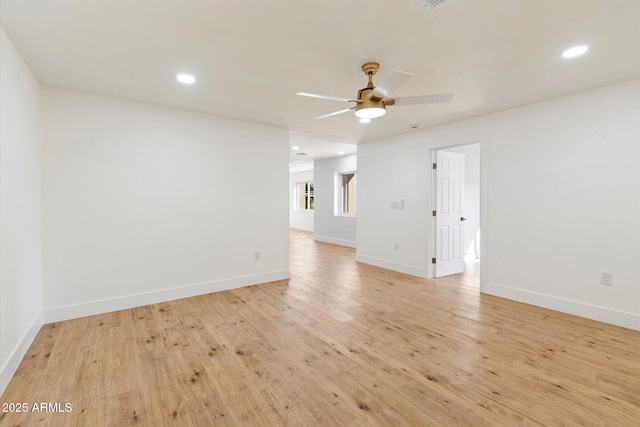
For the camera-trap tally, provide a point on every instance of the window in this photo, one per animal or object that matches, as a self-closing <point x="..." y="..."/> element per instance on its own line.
<point x="304" y="195"/>
<point x="347" y="193"/>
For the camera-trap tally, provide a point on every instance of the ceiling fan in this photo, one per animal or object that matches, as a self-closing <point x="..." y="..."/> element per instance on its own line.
<point x="372" y="101"/>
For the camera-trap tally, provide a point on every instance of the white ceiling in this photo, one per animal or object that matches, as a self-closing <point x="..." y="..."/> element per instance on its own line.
<point x="251" y="57"/>
<point x="310" y="148"/>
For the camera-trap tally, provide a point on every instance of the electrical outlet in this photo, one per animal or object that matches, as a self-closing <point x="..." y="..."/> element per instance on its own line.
<point x="606" y="278"/>
<point x="256" y="256"/>
<point x="396" y="246"/>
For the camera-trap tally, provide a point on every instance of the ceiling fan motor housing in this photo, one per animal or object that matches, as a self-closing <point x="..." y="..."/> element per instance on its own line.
<point x="366" y="101"/>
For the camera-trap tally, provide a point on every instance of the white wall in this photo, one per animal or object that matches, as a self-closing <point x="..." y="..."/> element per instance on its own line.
<point x="471" y="200"/>
<point x="20" y="209"/>
<point x="561" y="203"/>
<point x="391" y="170"/>
<point x="145" y="204"/>
<point x="328" y="227"/>
<point x="299" y="219"/>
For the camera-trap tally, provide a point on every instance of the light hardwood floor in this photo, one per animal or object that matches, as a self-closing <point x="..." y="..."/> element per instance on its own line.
<point x="339" y="344"/>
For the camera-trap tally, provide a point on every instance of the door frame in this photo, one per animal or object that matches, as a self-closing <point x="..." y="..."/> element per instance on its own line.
<point x="484" y="196"/>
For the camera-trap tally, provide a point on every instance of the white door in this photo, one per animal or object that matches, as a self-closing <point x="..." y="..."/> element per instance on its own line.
<point x="449" y="220"/>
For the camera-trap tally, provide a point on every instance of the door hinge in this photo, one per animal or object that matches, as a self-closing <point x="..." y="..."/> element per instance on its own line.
<point x="433" y="260"/>
<point x="435" y="166"/>
<point x="433" y="213"/>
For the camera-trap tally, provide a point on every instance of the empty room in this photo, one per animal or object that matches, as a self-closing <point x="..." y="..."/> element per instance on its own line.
<point x="336" y="213"/>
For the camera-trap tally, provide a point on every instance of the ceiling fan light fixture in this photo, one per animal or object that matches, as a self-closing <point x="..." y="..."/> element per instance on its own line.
<point x="368" y="107"/>
<point x="370" y="113"/>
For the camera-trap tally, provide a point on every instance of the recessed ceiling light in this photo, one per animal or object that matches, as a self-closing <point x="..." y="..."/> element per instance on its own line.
<point x="364" y="120"/>
<point x="295" y="147"/>
<point x="341" y="152"/>
<point x="575" y="51"/>
<point x="186" y="79"/>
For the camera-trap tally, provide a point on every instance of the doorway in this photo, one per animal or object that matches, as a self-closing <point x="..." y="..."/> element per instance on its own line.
<point x="456" y="210"/>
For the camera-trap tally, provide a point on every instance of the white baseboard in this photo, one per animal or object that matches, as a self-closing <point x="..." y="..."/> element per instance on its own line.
<point x="594" y="312"/>
<point x="301" y="228"/>
<point x="333" y="240"/>
<point x="413" y="270"/>
<point x="11" y="364"/>
<point x="57" y="314"/>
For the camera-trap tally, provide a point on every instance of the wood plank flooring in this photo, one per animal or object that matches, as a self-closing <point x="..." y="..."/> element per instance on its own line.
<point x="339" y="344"/>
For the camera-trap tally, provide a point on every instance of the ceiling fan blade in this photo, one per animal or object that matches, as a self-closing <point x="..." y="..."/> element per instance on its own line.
<point x="335" y="113"/>
<point x="330" y="98"/>
<point x="389" y="85"/>
<point x="421" y="99"/>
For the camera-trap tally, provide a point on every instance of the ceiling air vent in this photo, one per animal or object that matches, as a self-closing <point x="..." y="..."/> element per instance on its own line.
<point x="430" y="4"/>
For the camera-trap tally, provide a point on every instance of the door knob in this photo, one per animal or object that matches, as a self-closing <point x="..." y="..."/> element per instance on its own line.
<point x="463" y="219"/>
